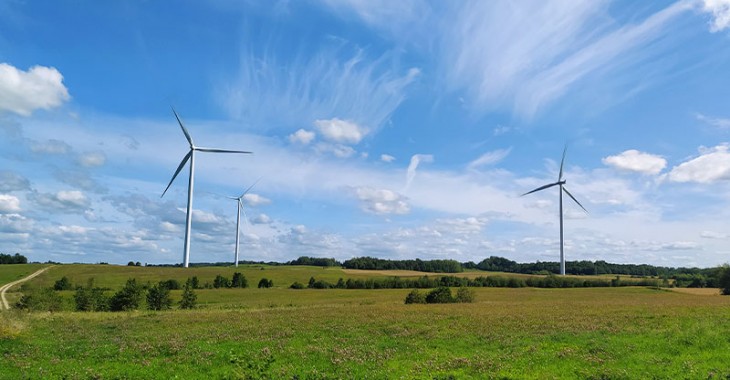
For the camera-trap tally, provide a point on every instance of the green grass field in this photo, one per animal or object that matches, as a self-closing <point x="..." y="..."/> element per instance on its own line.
<point x="12" y="272"/>
<point x="591" y="333"/>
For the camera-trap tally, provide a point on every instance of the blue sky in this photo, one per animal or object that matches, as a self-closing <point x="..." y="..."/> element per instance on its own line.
<point x="392" y="129"/>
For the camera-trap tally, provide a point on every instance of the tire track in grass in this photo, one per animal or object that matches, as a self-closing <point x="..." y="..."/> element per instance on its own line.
<point x="3" y="301"/>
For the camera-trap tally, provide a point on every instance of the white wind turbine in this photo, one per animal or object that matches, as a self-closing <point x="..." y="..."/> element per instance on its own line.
<point x="191" y="156"/>
<point x="561" y="183"/>
<point x="239" y="201"/>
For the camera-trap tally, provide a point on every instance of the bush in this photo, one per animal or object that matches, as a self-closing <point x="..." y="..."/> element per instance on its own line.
<point x="265" y="283"/>
<point x="441" y="294"/>
<point x="40" y="299"/>
<point x="239" y="281"/>
<point x="62" y="284"/>
<point x="415" y="297"/>
<point x="171" y="284"/>
<point x="296" y="285"/>
<point x="724" y="280"/>
<point x="221" y="282"/>
<point x="158" y="297"/>
<point x="128" y="298"/>
<point x="464" y="295"/>
<point x="189" y="298"/>
<point x="90" y="298"/>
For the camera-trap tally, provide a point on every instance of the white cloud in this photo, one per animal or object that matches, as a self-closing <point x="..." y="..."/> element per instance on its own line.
<point x="714" y="235"/>
<point x="62" y="201"/>
<point x="387" y="158"/>
<point x="92" y="159"/>
<point x="262" y="219"/>
<point x="720" y="10"/>
<point x="712" y="165"/>
<point x="301" y="136"/>
<point x="381" y="201"/>
<point x="416" y="159"/>
<point x="501" y="130"/>
<point x="11" y="181"/>
<point x="254" y="200"/>
<point x="635" y="161"/>
<point x="23" y="92"/>
<point x="338" y="150"/>
<point x="716" y="122"/>
<point x="50" y="147"/>
<point x="9" y="204"/>
<point x="489" y="158"/>
<point x="73" y="230"/>
<point x="340" y="131"/>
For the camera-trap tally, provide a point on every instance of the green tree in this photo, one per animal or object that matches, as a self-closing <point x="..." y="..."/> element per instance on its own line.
<point x="724" y="280"/>
<point x="158" y="297"/>
<point x="311" y="283"/>
<point x="266" y="283"/>
<point x="63" y="284"/>
<point x="194" y="282"/>
<point x="296" y="285"/>
<point x="415" y="297"/>
<point x="221" y="282"/>
<point x="189" y="298"/>
<point x="128" y="298"/>
<point x="239" y="281"/>
<point x="90" y="298"/>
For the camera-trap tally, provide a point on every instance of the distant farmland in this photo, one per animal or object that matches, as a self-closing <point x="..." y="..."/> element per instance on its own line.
<point x="600" y="333"/>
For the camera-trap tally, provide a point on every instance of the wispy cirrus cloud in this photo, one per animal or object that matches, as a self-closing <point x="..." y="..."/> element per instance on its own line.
<point x="717" y="122"/>
<point x="489" y="158"/>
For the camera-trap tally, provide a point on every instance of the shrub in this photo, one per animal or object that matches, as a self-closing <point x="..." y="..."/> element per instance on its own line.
<point x="63" y="284"/>
<point x="194" y="282"/>
<point x="239" y="281"/>
<point x="171" y="284"/>
<point x="221" y="282"/>
<point x="296" y="285"/>
<point x="128" y="298"/>
<point x="40" y="299"/>
<point x="442" y="294"/>
<point x="90" y="298"/>
<point x="158" y="297"/>
<point x="265" y="283"/>
<point x="189" y="298"/>
<point x="464" y="295"/>
<point x="415" y="297"/>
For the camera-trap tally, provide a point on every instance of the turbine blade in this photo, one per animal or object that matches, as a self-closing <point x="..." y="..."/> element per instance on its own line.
<point x="245" y="217"/>
<point x="573" y="198"/>
<point x="562" y="161"/>
<point x="250" y="187"/>
<point x="213" y="150"/>
<point x="540" y="188"/>
<point x="185" y="131"/>
<point x="182" y="163"/>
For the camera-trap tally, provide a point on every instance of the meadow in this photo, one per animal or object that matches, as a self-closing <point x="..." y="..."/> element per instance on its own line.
<point x="586" y="333"/>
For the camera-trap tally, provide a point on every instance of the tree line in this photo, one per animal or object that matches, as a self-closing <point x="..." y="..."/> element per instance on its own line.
<point x="13" y="259"/>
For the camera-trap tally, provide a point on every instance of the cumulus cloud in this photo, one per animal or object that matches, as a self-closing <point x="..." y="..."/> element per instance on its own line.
<point x="92" y="159"/>
<point x="62" y="201"/>
<point x="387" y="158"/>
<point x="720" y="11"/>
<point x="712" y="165"/>
<point x="381" y="201"/>
<point x="9" y="204"/>
<point x="301" y="136"/>
<point x="341" y="131"/>
<point x="489" y="158"/>
<point x="11" y="181"/>
<point x="23" y="92"/>
<point x="15" y="224"/>
<point x="262" y="219"/>
<point x="635" y="161"/>
<point x="416" y="160"/>
<point x="255" y="200"/>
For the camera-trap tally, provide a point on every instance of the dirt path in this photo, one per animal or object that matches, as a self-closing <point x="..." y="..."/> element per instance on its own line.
<point x="3" y="301"/>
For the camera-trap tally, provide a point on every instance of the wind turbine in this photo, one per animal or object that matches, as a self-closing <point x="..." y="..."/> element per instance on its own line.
<point x="561" y="183"/>
<point x="239" y="201"/>
<point x="191" y="156"/>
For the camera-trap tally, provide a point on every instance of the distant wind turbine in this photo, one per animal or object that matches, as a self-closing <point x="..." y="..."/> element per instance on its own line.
<point x="561" y="183"/>
<point x="191" y="156"/>
<point x="239" y="201"/>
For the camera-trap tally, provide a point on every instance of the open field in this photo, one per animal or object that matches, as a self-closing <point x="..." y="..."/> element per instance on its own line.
<point x="12" y="272"/>
<point x="600" y="333"/>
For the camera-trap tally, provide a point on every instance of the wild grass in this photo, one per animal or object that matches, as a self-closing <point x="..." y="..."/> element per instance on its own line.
<point x="12" y="272"/>
<point x="601" y="333"/>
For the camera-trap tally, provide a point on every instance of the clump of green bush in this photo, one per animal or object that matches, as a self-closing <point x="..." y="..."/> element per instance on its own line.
<point x="442" y="294"/>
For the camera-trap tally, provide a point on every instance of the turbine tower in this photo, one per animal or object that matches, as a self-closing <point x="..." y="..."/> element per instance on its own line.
<point x="561" y="184"/>
<point x="239" y="201"/>
<point x="191" y="156"/>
